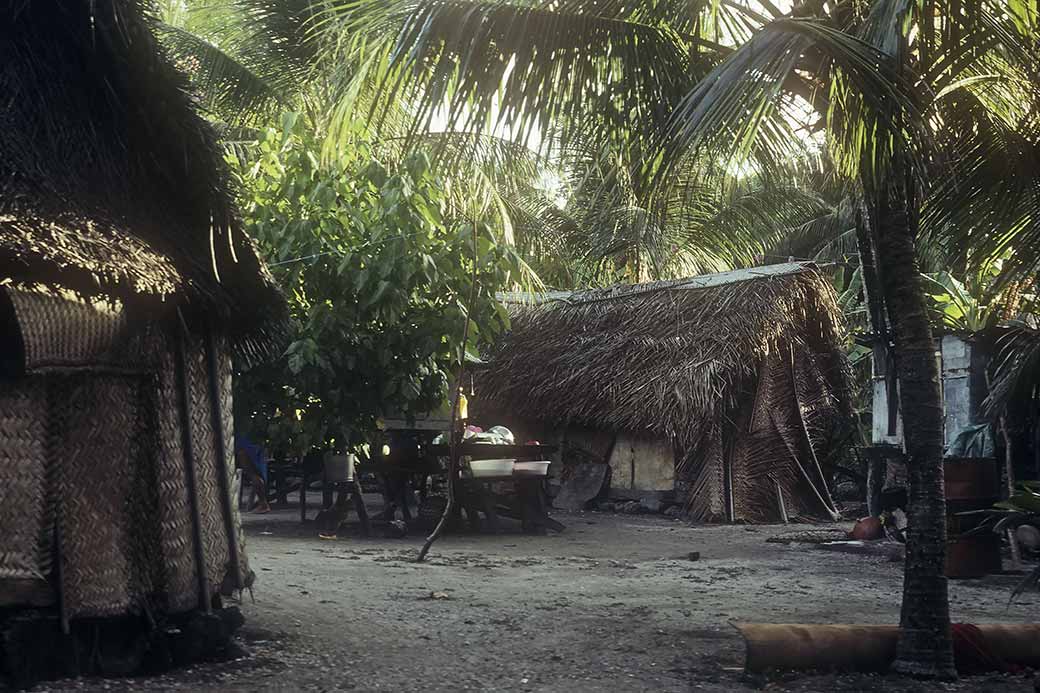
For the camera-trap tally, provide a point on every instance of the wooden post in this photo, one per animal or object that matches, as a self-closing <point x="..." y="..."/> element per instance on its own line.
<point x="876" y="464"/>
<point x="59" y="574"/>
<point x="1009" y="458"/>
<point x="1036" y="434"/>
<point x="359" y="507"/>
<point x="56" y="457"/>
<point x="1016" y="551"/>
<point x="727" y="473"/>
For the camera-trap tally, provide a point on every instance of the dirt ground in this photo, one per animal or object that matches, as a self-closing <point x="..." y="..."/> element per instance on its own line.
<point x="613" y="603"/>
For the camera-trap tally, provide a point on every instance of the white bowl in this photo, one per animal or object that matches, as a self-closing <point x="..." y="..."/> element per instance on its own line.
<point x="540" y="468"/>
<point x="485" y="468"/>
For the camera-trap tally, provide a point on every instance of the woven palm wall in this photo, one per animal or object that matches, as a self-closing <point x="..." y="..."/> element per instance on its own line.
<point x="92" y="463"/>
<point x="767" y="447"/>
<point x="25" y="548"/>
<point x="174" y="509"/>
<point x="702" y="472"/>
<point x="788" y="425"/>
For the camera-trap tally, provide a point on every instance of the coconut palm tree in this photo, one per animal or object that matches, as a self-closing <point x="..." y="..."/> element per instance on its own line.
<point x="893" y="135"/>
<point x="919" y="104"/>
<point x="617" y="226"/>
<point x="606" y="221"/>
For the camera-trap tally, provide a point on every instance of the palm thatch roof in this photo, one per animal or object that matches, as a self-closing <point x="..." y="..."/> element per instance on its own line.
<point x="663" y="356"/>
<point x="110" y="182"/>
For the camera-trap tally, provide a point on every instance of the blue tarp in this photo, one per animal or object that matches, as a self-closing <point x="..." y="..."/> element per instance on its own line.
<point x="973" y="441"/>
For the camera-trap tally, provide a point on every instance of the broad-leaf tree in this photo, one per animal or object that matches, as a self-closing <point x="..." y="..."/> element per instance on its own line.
<point x="380" y="282"/>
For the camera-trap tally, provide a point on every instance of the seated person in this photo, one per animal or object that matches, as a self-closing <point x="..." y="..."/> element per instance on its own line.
<point x="250" y="459"/>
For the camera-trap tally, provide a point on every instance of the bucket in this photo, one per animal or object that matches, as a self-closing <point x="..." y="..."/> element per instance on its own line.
<point x="339" y="468"/>
<point x="972" y="483"/>
<point x="972" y="555"/>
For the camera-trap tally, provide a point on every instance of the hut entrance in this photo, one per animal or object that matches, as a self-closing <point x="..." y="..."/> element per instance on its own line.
<point x="639" y="463"/>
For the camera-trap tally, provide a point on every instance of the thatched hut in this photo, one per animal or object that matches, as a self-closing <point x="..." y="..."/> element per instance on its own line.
<point x="126" y="288"/>
<point x="722" y="391"/>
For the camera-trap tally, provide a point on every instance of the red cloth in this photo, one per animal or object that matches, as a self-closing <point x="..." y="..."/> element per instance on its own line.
<point x="973" y="654"/>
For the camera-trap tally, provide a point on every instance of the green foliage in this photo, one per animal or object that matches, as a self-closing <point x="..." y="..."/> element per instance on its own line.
<point x="1022" y="508"/>
<point x="379" y="281"/>
<point x="1025" y="499"/>
<point x="978" y="302"/>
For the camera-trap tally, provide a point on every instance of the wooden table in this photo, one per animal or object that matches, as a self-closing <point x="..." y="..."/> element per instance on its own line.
<point x="528" y="504"/>
<point x="397" y="480"/>
<point x="475" y="496"/>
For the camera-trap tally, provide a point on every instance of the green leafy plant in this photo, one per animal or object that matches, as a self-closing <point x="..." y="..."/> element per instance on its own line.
<point x="1021" y="508"/>
<point x="971" y="305"/>
<point x="379" y="282"/>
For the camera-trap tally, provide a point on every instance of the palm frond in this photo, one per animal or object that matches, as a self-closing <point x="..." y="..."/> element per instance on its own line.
<point x="990" y="205"/>
<point x="1017" y="371"/>
<point x="225" y="85"/>
<point x="486" y="66"/>
<point x="747" y="102"/>
<point x="249" y="58"/>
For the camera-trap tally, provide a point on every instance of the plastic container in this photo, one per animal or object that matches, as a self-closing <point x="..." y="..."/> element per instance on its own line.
<point x="490" y="468"/>
<point x="973" y="556"/>
<point x="339" y="468"/>
<point x="538" y="468"/>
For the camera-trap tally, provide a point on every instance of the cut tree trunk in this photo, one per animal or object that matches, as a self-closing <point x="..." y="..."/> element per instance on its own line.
<point x="925" y="644"/>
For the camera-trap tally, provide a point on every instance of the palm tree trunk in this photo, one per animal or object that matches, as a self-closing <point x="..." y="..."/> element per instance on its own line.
<point x="925" y="641"/>
<point x="875" y="300"/>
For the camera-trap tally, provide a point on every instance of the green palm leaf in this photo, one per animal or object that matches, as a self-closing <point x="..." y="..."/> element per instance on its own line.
<point x="519" y="67"/>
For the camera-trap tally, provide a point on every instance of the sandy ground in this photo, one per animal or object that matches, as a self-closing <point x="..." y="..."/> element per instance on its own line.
<point x="613" y="603"/>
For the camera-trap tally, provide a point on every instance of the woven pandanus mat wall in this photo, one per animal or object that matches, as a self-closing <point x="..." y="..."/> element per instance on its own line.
<point x="25" y="507"/>
<point x="64" y="332"/>
<point x="94" y="421"/>
<point x="78" y="451"/>
<point x="207" y="461"/>
<point x="173" y="511"/>
<point x="124" y="475"/>
<point x="93" y="453"/>
<point x="224" y="372"/>
<point x="148" y="569"/>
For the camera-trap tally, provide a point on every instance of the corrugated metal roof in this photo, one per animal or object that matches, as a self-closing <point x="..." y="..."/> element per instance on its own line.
<point x="617" y="291"/>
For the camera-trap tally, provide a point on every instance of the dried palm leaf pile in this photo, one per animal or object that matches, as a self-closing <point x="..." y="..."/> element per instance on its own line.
<point x="743" y="371"/>
<point x="126" y="288"/>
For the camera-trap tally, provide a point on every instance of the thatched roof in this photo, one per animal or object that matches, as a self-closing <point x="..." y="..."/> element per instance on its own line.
<point x="110" y="182"/>
<point x="663" y="356"/>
